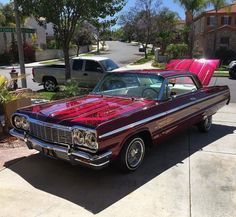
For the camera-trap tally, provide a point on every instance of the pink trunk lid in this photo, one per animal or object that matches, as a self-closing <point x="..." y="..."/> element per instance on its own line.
<point x="203" y="68"/>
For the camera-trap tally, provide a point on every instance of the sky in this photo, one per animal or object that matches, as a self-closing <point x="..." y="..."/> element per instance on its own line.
<point x="167" y="3"/>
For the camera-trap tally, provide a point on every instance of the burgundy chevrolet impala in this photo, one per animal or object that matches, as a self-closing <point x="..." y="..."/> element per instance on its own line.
<point x="126" y="112"/>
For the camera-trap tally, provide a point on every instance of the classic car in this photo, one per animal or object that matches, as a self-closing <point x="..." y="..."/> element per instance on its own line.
<point x="126" y="112"/>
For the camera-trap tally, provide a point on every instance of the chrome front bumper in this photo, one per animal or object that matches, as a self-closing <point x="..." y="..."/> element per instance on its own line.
<point x="66" y="153"/>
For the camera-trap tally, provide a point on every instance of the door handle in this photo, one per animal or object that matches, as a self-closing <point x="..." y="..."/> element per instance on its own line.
<point x="193" y="98"/>
<point x="85" y="74"/>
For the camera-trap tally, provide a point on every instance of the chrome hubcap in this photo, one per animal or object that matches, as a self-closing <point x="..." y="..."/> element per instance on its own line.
<point x="50" y="85"/>
<point x="135" y="153"/>
<point x="208" y="122"/>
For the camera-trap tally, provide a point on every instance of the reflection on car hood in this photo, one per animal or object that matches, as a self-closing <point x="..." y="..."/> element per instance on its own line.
<point x="90" y="110"/>
<point x="203" y="68"/>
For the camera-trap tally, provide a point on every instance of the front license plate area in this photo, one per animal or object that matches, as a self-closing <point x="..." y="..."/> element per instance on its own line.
<point x="48" y="152"/>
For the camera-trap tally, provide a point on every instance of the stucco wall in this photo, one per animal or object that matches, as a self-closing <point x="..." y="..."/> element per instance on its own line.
<point x="56" y="53"/>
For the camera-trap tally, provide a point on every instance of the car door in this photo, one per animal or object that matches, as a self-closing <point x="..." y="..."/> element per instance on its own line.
<point x="77" y="71"/>
<point x="93" y="72"/>
<point x="181" y="96"/>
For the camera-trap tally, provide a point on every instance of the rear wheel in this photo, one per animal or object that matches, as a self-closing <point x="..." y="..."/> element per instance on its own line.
<point x="50" y="84"/>
<point x="232" y="72"/>
<point x="132" y="154"/>
<point x="205" y="125"/>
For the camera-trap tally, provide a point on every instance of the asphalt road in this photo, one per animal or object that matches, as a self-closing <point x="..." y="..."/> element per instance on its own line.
<point x="226" y="81"/>
<point x="122" y="53"/>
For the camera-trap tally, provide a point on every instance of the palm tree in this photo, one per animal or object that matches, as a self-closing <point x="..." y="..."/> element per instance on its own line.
<point x="217" y="4"/>
<point x="192" y="7"/>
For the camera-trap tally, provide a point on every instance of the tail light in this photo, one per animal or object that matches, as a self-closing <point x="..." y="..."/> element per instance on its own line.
<point x="33" y="72"/>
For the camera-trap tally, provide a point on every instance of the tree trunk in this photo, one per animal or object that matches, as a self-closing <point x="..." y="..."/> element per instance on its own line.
<point x="67" y="62"/>
<point x="98" y="48"/>
<point x="145" y="51"/>
<point x="215" y="33"/>
<point x="5" y="42"/>
<point x="77" y="52"/>
<point x="189" y="21"/>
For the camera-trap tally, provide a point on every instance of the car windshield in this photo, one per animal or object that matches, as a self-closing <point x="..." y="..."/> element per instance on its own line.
<point x="137" y="85"/>
<point x="109" y="65"/>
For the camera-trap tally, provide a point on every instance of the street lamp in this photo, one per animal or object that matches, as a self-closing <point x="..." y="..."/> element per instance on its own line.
<point x="20" y="45"/>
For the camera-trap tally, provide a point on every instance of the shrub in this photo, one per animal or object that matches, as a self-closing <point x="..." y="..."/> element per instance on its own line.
<point x="5" y="58"/>
<point x="29" y="53"/>
<point x="225" y="55"/>
<point x="177" y="50"/>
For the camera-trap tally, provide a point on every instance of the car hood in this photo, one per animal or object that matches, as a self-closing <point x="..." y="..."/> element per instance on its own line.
<point x="88" y="111"/>
<point x="203" y="68"/>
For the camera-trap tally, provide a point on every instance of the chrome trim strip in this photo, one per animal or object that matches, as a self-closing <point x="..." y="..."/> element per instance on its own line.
<point x="90" y="160"/>
<point x="157" y="116"/>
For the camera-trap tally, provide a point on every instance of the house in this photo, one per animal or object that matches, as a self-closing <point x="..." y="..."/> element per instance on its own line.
<point x="43" y="31"/>
<point x="219" y="27"/>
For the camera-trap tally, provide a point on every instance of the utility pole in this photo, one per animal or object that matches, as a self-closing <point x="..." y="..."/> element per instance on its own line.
<point x="20" y="45"/>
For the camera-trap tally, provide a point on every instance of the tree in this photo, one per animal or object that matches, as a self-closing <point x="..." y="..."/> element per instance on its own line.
<point x="7" y="19"/>
<point x="65" y="14"/>
<point x="83" y="35"/>
<point x="139" y="22"/>
<point x="102" y="26"/>
<point x="167" y="33"/>
<point x="217" y="4"/>
<point x="192" y="7"/>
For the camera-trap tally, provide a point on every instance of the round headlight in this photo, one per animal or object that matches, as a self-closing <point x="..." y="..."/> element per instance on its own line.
<point x="17" y="121"/>
<point x="25" y="124"/>
<point x="91" y="140"/>
<point x="78" y="137"/>
<point x="21" y="123"/>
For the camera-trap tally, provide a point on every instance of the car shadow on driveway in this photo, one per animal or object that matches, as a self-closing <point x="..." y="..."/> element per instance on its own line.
<point x="97" y="190"/>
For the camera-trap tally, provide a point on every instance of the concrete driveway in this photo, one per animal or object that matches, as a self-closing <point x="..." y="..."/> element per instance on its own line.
<point x="192" y="174"/>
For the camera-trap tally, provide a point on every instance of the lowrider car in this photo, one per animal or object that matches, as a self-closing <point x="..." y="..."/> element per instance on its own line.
<point x="126" y="112"/>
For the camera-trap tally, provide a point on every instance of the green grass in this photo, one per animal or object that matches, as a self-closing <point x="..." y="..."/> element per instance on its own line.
<point x="48" y="62"/>
<point x="221" y="74"/>
<point x="88" y="54"/>
<point x="141" y="61"/>
<point x="158" y="65"/>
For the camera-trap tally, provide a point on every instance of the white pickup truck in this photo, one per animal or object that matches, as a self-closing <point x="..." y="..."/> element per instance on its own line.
<point x="86" y="70"/>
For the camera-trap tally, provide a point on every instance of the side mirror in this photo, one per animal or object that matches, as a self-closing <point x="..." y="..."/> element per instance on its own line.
<point x="99" y="69"/>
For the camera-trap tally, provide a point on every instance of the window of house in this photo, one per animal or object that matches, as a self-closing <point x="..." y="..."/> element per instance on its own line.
<point x="211" y="21"/>
<point x="226" y="20"/>
<point x="224" y="41"/>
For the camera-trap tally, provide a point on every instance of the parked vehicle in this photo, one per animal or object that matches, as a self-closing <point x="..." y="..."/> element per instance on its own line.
<point x="141" y="48"/>
<point x="126" y="112"/>
<point x="232" y="69"/>
<point x="86" y="70"/>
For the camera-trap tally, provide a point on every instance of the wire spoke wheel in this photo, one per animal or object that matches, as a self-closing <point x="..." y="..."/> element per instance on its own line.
<point x="134" y="153"/>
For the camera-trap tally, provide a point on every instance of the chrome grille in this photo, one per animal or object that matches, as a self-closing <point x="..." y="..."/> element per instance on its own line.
<point x="50" y="134"/>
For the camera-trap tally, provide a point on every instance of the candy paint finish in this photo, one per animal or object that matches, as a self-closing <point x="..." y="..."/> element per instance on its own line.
<point x="90" y="110"/>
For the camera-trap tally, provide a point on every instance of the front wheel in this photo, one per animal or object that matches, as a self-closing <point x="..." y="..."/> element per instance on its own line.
<point x="132" y="154"/>
<point x="205" y="125"/>
<point x="50" y="84"/>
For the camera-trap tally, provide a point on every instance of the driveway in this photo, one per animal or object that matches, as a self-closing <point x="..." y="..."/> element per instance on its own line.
<point x="191" y="174"/>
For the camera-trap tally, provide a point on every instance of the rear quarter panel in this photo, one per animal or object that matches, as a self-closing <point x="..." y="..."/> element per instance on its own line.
<point x="57" y="73"/>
